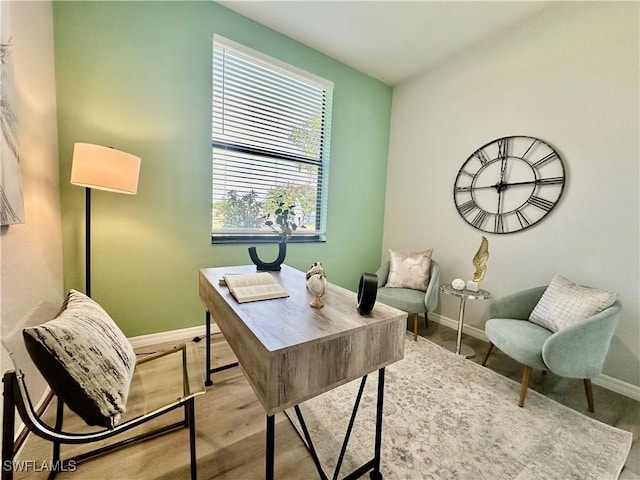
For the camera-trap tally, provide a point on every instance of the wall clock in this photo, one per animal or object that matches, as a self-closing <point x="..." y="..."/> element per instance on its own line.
<point x="509" y="184"/>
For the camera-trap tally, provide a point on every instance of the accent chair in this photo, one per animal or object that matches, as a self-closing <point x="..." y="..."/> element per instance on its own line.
<point x="411" y="301"/>
<point x="577" y="350"/>
<point x="91" y="367"/>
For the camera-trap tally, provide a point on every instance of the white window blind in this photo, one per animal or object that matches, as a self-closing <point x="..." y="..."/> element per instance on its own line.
<point x="271" y="128"/>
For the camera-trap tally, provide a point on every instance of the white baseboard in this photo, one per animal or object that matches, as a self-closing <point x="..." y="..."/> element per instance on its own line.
<point x="604" y="381"/>
<point x="601" y="380"/>
<point x="142" y="341"/>
<point x="448" y="322"/>
<point x="618" y="386"/>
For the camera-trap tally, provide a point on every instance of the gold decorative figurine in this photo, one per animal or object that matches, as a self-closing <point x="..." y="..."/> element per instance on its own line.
<point x="480" y="263"/>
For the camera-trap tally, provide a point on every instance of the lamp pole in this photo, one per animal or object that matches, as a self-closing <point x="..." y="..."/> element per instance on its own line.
<point x="87" y="241"/>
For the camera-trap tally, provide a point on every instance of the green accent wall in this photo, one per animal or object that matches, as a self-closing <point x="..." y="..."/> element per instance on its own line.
<point x="136" y="76"/>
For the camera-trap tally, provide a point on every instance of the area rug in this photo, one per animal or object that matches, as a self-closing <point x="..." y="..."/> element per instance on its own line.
<point x="446" y="417"/>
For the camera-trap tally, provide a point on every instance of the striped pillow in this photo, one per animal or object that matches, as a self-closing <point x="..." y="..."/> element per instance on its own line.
<point x="85" y="358"/>
<point x="564" y="303"/>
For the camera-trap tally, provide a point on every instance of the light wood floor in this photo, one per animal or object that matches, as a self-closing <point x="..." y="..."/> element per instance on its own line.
<point x="230" y="438"/>
<point x="231" y="427"/>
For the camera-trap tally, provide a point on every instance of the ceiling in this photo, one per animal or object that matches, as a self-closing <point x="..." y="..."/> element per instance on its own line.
<point x="388" y="40"/>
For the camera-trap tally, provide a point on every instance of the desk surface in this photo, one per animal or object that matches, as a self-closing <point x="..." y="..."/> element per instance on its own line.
<point x="291" y="352"/>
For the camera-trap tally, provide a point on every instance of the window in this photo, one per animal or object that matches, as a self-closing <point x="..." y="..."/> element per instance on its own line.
<point x="271" y="126"/>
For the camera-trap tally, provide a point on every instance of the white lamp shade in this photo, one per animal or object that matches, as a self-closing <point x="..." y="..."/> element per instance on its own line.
<point x="105" y="168"/>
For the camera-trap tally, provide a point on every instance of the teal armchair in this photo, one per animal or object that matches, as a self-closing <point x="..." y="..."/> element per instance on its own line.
<point x="411" y="301"/>
<point x="578" y="351"/>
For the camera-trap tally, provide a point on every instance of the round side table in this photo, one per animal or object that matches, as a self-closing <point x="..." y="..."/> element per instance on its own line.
<point x="464" y="294"/>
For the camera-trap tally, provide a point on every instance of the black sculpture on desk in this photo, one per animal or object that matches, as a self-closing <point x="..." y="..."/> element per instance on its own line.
<point x="367" y="292"/>
<point x="270" y="266"/>
<point x="284" y="218"/>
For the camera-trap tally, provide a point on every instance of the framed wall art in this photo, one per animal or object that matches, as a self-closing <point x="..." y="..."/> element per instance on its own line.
<point x="11" y="198"/>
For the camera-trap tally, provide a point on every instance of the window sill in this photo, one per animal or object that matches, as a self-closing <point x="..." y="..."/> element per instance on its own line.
<point x="251" y="239"/>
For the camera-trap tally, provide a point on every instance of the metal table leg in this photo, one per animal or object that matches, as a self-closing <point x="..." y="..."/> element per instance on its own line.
<point x="373" y="465"/>
<point x="375" y="473"/>
<point x="208" y="370"/>
<point x="465" y="350"/>
<point x="207" y="339"/>
<point x="271" y="447"/>
<point x="460" y="324"/>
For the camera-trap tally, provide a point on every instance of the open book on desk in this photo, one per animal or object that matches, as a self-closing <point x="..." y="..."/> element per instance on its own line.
<point x="252" y="287"/>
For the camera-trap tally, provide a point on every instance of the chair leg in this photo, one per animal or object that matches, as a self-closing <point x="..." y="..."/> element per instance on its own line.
<point x="415" y="327"/>
<point x="426" y="319"/>
<point x="191" y="418"/>
<point x="589" y="391"/>
<point x="525" y="385"/>
<point x="58" y="426"/>
<point x="8" y="425"/>
<point x="486" y="355"/>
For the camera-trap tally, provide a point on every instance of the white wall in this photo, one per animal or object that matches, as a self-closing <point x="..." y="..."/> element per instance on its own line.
<point x="568" y="76"/>
<point x="31" y="267"/>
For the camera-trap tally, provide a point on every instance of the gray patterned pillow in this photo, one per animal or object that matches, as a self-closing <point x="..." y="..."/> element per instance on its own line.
<point x="409" y="270"/>
<point x="85" y="358"/>
<point x="564" y="303"/>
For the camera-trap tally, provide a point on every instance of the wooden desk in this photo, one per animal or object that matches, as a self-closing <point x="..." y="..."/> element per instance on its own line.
<point x="291" y="352"/>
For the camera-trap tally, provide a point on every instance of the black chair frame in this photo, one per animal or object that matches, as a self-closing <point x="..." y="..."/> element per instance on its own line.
<point x="16" y="397"/>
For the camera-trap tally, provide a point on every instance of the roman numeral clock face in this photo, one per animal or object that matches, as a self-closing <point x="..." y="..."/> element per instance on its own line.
<point x="509" y="184"/>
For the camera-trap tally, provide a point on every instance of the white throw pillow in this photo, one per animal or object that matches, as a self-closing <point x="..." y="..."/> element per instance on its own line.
<point x="409" y="270"/>
<point x="564" y="303"/>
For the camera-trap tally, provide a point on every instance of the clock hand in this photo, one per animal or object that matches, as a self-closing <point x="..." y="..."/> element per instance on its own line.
<point x="499" y="225"/>
<point x="503" y="153"/>
<point x="532" y="182"/>
<point x="503" y="168"/>
<point x="500" y="186"/>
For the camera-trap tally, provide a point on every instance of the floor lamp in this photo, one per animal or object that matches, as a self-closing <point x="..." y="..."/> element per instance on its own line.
<point x="102" y="168"/>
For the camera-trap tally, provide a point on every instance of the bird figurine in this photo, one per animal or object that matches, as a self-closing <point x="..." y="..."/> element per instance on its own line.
<point x="316" y="283"/>
<point x="480" y="260"/>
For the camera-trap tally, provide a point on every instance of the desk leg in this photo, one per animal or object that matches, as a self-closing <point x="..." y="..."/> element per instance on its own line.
<point x="375" y="474"/>
<point x="373" y="465"/>
<point x="208" y="382"/>
<point x="271" y="447"/>
<point x="208" y="370"/>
